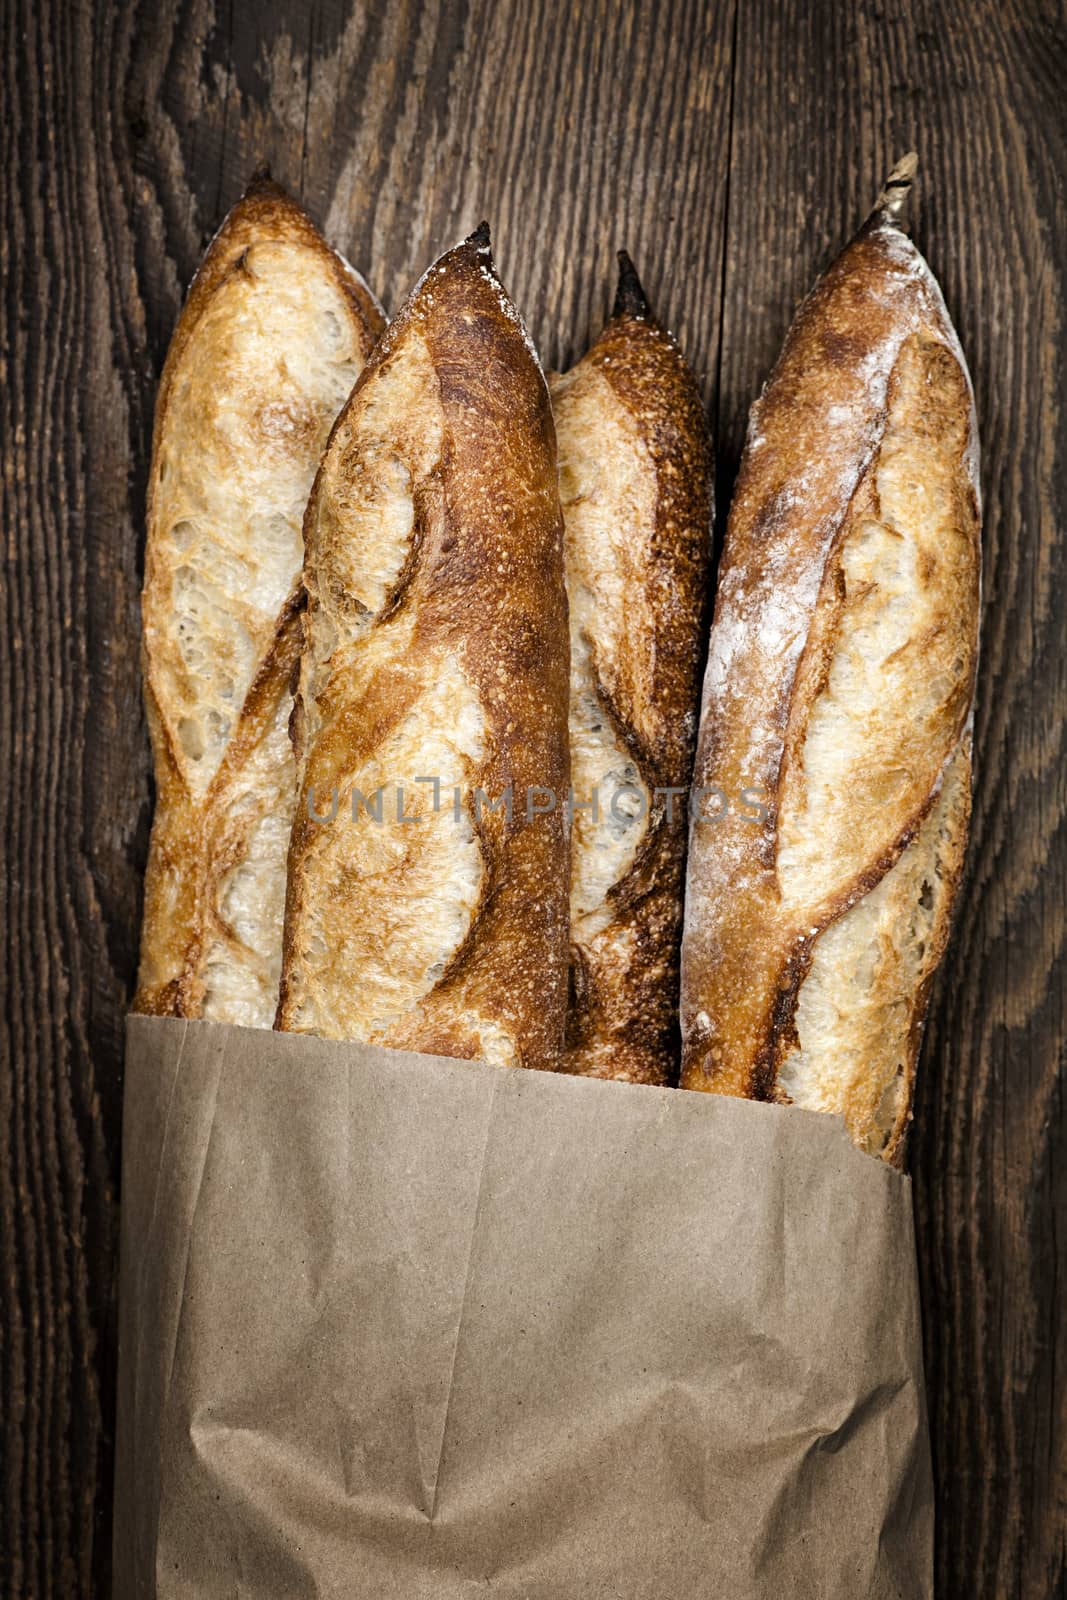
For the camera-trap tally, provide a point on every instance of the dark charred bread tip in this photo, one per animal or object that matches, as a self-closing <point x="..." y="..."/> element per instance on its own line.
<point x="892" y="203"/>
<point x="261" y="184"/>
<point x="630" y="298"/>
<point x="480" y="237"/>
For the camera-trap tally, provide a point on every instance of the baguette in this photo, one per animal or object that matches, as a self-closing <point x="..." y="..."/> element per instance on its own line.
<point x="636" y="485"/>
<point x="839" y="687"/>
<point x="433" y="685"/>
<point x="273" y="335"/>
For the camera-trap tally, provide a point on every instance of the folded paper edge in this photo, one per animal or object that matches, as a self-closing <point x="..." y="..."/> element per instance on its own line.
<point x="826" y="1125"/>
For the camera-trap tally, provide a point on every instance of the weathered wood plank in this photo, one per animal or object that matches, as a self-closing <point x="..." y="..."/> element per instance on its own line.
<point x="73" y="806"/>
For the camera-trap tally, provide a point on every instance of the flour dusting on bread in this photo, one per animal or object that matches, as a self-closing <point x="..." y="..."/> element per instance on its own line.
<point x="840" y="680"/>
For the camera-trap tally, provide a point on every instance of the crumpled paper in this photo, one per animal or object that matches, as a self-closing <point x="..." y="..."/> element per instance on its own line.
<point x="397" y="1325"/>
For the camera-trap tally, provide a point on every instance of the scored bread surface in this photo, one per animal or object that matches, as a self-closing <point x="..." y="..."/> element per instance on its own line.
<point x="839" y="685"/>
<point x="274" y="333"/>
<point x="433" y="684"/>
<point x="635" y="483"/>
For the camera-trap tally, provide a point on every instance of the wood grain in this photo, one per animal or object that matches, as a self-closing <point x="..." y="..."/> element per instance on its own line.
<point x="731" y="148"/>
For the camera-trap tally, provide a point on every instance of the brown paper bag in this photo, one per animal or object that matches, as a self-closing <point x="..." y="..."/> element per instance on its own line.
<point x="393" y="1325"/>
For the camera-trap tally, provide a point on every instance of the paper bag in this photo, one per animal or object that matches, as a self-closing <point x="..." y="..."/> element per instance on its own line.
<point x="400" y="1326"/>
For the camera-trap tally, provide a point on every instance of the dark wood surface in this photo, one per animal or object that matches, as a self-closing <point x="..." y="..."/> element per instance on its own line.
<point x="732" y="147"/>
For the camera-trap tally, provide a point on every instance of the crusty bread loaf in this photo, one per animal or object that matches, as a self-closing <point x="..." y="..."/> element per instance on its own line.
<point x="635" y="482"/>
<point x="839" y="684"/>
<point x="433" y="684"/>
<point x="272" y="337"/>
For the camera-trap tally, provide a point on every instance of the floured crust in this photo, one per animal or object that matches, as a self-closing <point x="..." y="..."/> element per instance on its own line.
<point x="435" y="648"/>
<point x="839" y="684"/>
<point x="271" y="339"/>
<point x="636" y="487"/>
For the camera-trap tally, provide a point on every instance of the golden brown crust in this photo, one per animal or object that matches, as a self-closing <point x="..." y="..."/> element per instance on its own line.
<point x="839" y="684"/>
<point x="435" y="648"/>
<point x="636" y="484"/>
<point x="272" y="335"/>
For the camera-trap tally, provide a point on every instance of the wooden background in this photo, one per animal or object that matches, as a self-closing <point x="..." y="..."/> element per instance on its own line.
<point x="732" y="147"/>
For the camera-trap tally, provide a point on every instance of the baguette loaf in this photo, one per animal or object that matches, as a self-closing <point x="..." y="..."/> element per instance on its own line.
<point x="635" y="482"/>
<point x="839" y="684"/>
<point x="433" y="686"/>
<point x="272" y="337"/>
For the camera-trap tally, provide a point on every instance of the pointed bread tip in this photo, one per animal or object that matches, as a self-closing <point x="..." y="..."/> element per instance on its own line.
<point x="892" y="203"/>
<point x="261" y="179"/>
<point x="480" y="237"/>
<point x="261" y="184"/>
<point x="630" y="299"/>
